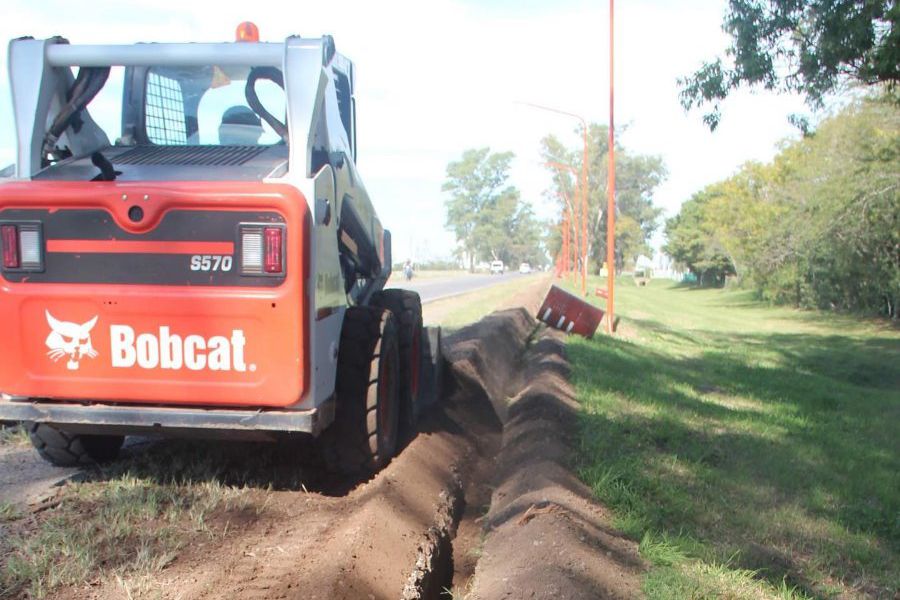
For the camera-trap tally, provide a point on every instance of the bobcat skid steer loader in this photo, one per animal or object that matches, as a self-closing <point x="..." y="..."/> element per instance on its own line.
<point x="188" y="249"/>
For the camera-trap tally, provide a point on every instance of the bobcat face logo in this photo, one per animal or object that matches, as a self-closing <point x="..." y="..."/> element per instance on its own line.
<point x="70" y="340"/>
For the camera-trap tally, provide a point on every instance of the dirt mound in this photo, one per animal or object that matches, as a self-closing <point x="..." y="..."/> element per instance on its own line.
<point x="485" y="357"/>
<point x="546" y="536"/>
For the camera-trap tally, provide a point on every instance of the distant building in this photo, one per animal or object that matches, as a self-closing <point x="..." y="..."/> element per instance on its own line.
<point x="664" y="267"/>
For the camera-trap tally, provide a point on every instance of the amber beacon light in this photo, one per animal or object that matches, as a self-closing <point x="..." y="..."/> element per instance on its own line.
<point x="247" y="32"/>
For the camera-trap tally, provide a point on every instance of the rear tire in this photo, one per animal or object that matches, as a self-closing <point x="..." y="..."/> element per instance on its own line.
<point x="363" y="437"/>
<point x="407" y="309"/>
<point x="65" y="449"/>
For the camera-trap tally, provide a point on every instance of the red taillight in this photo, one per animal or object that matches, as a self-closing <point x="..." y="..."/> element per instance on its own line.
<point x="262" y="249"/>
<point x="273" y="238"/>
<point x="10" y="246"/>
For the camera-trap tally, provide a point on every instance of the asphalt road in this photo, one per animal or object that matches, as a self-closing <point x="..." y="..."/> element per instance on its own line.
<point x="439" y="288"/>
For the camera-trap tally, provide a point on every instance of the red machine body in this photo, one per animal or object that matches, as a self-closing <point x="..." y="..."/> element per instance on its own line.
<point x="133" y="302"/>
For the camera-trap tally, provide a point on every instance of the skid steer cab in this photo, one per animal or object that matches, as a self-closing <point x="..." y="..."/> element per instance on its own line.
<point x="188" y="249"/>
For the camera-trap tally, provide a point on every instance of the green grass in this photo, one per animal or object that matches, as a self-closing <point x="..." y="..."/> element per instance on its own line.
<point x="754" y="451"/>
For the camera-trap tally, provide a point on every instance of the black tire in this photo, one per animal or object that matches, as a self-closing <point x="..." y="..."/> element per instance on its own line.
<point x="65" y="449"/>
<point x="432" y="378"/>
<point x="363" y="437"/>
<point x="407" y="309"/>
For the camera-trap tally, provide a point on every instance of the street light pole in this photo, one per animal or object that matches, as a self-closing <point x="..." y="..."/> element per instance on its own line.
<point x="573" y="212"/>
<point x="611" y="191"/>
<point x="584" y="187"/>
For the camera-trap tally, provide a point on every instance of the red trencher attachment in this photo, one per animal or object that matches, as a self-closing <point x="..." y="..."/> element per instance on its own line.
<point x="569" y="313"/>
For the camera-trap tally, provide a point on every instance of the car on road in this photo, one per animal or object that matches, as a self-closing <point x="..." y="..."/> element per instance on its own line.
<point x="525" y="268"/>
<point x="497" y="267"/>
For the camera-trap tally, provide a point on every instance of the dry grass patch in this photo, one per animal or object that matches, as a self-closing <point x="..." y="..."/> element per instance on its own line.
<point x="14" y="435"/>
<point x="126" y="522"/>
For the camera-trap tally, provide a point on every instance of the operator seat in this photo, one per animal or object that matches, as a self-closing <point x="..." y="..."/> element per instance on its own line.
<point x="240" y="127"/>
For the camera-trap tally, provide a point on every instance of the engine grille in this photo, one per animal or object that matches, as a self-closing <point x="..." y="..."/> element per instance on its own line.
<point x="223" y="156"/>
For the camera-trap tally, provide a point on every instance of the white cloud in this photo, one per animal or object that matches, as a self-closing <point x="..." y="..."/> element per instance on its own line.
<point x="436" y="78"/>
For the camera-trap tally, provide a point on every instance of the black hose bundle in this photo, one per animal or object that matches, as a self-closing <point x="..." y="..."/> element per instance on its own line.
<point x="88" y="82"/>
<point x="274" y="75"/>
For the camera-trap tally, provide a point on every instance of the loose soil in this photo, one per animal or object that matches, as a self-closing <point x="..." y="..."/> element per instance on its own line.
<point x="324" y="542"/>
<point x="470" y="505"/>
<point x="543" y="536"/>
<point x="25" y="478"/>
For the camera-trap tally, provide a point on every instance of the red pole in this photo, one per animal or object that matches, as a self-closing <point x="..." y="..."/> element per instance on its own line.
<point x="611" y="190"/>
<point x="584" y="209"/>
<point x="573" y="217"/>
<point x="584" y="190"/>
<point x="572" y="231"/>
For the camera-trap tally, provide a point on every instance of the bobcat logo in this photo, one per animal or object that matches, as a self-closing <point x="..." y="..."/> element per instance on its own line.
<point x="71" y="340"/>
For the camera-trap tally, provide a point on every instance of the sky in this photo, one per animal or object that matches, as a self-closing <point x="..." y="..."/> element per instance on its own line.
<point x="438" y="77"/>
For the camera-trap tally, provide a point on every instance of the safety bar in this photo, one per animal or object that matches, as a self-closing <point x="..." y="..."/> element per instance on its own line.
<point x="260" y="54"/>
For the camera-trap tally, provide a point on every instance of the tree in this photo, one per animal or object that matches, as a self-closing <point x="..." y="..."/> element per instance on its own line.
<point x="740" y="212"/>
<point x="808" y="46"/>
<point x="691" y="242"/>
<point x="637" y="177"/>
<point x="818" y="227"/>
<point x="837" y="244"/>
<point x="488" y="216"/>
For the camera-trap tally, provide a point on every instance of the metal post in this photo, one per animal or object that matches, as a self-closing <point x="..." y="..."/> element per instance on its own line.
<point x="583" y="185"/>
<point x="573" y="217"/>
<point x="611" y="191"/>
<point x="584" y="209"/>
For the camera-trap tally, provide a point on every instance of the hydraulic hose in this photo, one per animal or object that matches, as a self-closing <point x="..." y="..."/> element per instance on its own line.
<point x="88" y="82"/>
<point x="274" y="75"/>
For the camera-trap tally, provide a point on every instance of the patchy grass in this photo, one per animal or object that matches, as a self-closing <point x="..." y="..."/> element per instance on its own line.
<point x="459" y="593"/>
<point x="13" y="435"/>
<point x="131" y="519"/>
<point x="9" y="512"/>
<point x="754" y="451"/>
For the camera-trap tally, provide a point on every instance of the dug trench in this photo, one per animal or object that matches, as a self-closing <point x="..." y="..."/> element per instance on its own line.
<point x="481" y="504"/>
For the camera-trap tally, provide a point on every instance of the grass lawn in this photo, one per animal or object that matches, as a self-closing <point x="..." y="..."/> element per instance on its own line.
<point x="754" y="451"/>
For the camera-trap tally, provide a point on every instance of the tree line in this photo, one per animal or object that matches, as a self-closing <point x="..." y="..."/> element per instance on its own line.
<point x="818" y="226"/>
<point x="637" y="178"/>
<point x="491" y="220"/>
